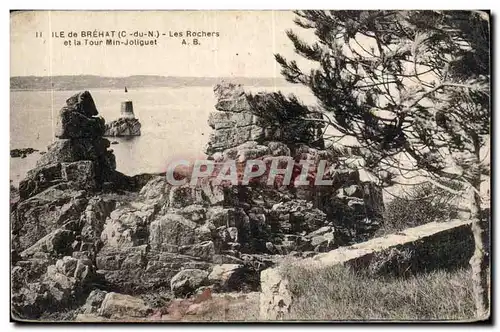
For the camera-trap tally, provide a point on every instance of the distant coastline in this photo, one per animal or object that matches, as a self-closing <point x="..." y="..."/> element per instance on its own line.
<point x="67" y="82"/>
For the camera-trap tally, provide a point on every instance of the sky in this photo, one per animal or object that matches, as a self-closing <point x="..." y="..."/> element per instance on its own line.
<point x="245" y="46"/>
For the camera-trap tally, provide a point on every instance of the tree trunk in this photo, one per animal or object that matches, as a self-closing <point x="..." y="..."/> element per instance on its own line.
<point x="480" y="260"/>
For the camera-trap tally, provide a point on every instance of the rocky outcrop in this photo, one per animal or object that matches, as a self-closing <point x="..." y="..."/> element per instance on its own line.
<point x="123" y="127"/>
<point x="141" y="235"/>
<point x="241" y="117"/>
<point x="79" y="157"/>
<point x="59" y="287"/>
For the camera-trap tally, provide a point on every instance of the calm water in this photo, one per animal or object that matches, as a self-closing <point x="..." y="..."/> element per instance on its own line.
<point x="174" y="124"/>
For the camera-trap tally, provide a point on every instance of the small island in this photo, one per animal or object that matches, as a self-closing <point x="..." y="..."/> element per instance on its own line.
<point x="126" y="125"/>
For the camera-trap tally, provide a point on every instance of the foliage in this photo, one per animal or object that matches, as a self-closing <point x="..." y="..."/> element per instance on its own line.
<point x="286" y="117"/>
<point x="420" y="205"/>
<point x="403" y="83"/>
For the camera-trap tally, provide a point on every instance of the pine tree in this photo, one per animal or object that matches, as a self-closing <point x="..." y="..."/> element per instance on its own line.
<point x="407" y="84"/>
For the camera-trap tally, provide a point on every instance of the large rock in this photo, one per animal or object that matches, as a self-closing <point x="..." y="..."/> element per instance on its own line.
<point x="123" y="127"/>
<point x="77" y="119"/>
<point x="127" y="226"/>
<point x="54" y="244"/>
<point x="220" y="120"/>
<point x="117" y="305"/>
<point x="171" y="231"/>
<point x="83" y="103"/>
<point x="187" y="281"/>
<point x="71" y="150"/>
<point x="94" y="302"/>
<point x="73" y="124"/>
<point x="54" y="208"/>
<point x="231" y="98"/>
<point x="204" y="250"/>
<point x="233" y="277"/>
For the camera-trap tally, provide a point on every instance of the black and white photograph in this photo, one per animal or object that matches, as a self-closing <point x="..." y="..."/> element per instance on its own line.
<point x="251" y="166"/>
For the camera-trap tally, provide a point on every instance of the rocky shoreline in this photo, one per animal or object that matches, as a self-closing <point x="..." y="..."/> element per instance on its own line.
<point x="123" y="127"/>
<point x="88" y="239"/>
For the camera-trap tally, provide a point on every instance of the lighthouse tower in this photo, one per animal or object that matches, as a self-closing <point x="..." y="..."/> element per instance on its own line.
<point x="127" y="110"/>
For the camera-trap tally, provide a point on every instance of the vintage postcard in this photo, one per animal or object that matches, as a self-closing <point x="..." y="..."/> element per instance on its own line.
<point x="256" y="166"/>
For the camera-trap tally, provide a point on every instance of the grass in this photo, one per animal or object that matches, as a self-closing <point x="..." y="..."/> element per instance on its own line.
<point x="337" y="293"/>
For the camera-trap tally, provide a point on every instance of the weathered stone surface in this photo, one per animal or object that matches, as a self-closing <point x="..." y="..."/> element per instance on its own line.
<point x="77" y="119"/>
<point x="58" y="287"/>
<point x="44" y="213"/>
<point x="231" y="98"/>
<point x="275" y="297"/>
<point x="71" y="150"/>
<point x="117" y="305"/>
<point x="81" y="173"/>
<point x="83" y="103"/>
<point x="228" y="277"/>
<point x="220" y="120"/>
<point x="73" y="124"/>
<point x="187" y="281"/>
<point x="55" y="244"/>
<point x="123" y="127"/>
<point x="423" y="248"/>
<point x="246" y="151"/>
<point x="225" y="138"/>
<point x="204" y="250"/>
<point x="94" y="217"/>
<point x="155" y="190"/>
<point x="296" y="216"/>
<point x="127" y="226"/>
<point x="205" y="193"/>
<point x="94" y="301"/>
<point x="39" y="179"/>
<point x="171" y="230"/>
<point x="194" y="213"/>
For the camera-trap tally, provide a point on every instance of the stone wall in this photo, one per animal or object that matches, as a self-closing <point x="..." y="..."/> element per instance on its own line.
<point x="424" y="248"/>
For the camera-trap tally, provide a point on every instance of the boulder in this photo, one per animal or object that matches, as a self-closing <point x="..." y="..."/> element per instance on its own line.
<point x="227" y="277"/>
<point x="117" y="305"/>
<point x="231" y="98"/>
<point x="225" y="138"/>
<point x="73" y="124"/>
<point x="171" y="230"/>
<point x="83" y="103"/>
<point x="123" y="127"/>
<point x="126" y="227"/>
<point x="78" y="118"/>
<point x="187" y="281"/>
<point x="94" y="302"/>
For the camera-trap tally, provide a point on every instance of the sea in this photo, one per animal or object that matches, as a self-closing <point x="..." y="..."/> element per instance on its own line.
<point x="174" y="123"/>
